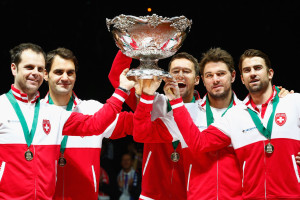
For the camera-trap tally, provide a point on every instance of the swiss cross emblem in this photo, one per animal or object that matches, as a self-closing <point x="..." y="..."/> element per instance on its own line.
<point x="46" y="126"/>
<point x="280" y="118"/>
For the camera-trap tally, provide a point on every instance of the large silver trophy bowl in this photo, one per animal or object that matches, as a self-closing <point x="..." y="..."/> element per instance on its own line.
<point x="148" y="39"/>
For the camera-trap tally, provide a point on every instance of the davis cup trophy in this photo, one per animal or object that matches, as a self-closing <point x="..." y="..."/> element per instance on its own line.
<point x="148" y="38"/>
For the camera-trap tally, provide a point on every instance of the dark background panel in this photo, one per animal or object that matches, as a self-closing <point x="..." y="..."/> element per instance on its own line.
<point x="271" y="26"/>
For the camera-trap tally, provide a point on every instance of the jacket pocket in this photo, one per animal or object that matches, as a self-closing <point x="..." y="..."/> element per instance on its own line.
<point x="295" y="168"/>
<point x="147" y="161"/>
<point x="94" y="178"/>
<point x="2" y="169"/>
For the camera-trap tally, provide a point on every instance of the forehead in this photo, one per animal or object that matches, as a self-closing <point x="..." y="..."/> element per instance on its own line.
<point x="254" y="61"/>
<point x="182" y="63"/>
<point x="29" y="57"/>
<point x="60" y="63"/>
<point x="212" y="67"/>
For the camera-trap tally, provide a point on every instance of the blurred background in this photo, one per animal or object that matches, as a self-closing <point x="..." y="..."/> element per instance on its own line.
<point x="269" y="25"/>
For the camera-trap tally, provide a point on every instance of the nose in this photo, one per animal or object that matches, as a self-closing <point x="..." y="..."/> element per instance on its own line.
<point x="216" y="78"/>
<point x="64" y="76"/>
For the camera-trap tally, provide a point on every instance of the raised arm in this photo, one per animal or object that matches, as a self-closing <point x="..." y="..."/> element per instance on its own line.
<point x="145" y="130"/>
<point x="210" y="139"/>
<point x="83" y="125"/>
<point x="120" y="63"/>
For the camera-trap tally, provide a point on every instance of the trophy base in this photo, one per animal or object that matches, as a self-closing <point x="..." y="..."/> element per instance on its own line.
<point x="148" y="73"/>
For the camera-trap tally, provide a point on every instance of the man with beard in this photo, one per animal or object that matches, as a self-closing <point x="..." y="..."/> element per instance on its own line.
<point x="208" y="175"/>
<point x="263" y="131"/>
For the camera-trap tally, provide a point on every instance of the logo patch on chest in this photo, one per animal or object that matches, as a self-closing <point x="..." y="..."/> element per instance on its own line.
<point x="280" y="119"/>
<point x="46" y="126"/>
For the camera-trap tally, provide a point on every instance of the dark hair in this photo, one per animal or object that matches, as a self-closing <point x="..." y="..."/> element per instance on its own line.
<point x="16" y="52"/>
<point x="188" y="57"/>
<point x="250" y="53"/>
<point x="63" y="53"/>
<point x="216" y="55"/>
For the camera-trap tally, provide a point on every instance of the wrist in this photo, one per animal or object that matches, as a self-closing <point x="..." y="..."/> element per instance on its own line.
<point x="124" y="89"/>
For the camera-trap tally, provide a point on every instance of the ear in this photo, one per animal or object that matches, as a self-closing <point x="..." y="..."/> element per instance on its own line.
<point x="203" y="80"/>
<point x="197" y="79"/>
<point x="14" y="69"/>
<point x="242" y="79"/>
<point x="46" y="75"/>
<point x="233" y="74"/>
<point x="271" y="74"/>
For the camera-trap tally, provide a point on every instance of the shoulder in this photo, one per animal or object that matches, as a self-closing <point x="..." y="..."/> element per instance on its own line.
<point x="88" y="106"/>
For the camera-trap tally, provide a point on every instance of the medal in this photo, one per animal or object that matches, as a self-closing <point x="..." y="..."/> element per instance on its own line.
<point x="28" y="155"/>
<point x="28" y="135"/>
<point x="269" y="148"/>
<point x="175" y="156"/>
<point x="62" y="161"/>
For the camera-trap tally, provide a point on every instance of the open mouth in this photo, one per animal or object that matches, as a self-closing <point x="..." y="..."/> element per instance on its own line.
<point x="181" y="85"/>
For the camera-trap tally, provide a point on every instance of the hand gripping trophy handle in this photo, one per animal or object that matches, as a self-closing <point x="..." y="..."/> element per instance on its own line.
<point x="148" y="39"/>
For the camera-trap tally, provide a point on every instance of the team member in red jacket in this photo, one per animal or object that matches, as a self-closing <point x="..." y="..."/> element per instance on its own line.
<point x="78" y="171"/>
<point x="31" y="131"/>
<point x="264" y="132"/>
<point x="162" y="177"/>
<point x="209" y="175"/>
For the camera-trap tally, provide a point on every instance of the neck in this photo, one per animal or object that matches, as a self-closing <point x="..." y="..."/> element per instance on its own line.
<point x="188" y="99"/>
<point x="30" y="95"/>
<point x="262" y="96"/>
<point x="60" y="100"/>
<point x="223" y="102"/>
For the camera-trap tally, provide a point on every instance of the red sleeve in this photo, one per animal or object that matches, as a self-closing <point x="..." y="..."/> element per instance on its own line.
<point x="210" y="139"/>
<point x="120" y="63"/>
<point x="145" y="130"/>
<point x="86" y="125"/>
<point x="124" y="125"/>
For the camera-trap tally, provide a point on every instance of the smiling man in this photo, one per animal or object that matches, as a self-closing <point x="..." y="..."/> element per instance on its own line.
<point x="78" y="170"/>
<point x="31" y="131"/>
<point x="163" y="172"/>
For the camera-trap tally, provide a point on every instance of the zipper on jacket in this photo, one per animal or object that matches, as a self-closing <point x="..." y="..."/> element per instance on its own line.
<point x="217" y="175"/>
<point x="2" y="169"/>
<point x="265" y="161"/>
<point x="146" y="163"/>
<point x="189" y="176"/>
<point x="94" y="178"/>
<point x="244" y="164"/>
<point x="295" y="168"/>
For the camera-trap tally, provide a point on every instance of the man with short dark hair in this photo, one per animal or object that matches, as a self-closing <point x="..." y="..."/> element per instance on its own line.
<point x="264" y="132"/>
<point x="31" y="131"/>
<point x="79" y="162"/>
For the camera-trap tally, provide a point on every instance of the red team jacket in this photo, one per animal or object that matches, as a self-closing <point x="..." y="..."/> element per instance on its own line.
<point x="264" y="176"/>
<point x="161" y="177"/>
<point x="79" y="178"/>
<point x="35" y="179"/>
<point x="208" y="175"/>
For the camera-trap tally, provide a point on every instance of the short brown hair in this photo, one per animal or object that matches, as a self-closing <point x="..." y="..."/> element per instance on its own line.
<point x="216" y="55"/>
<point x="188" y="57"/>
<point x="250" y="53"/>
<point x="16" y="52"/>
<point x="62" y="52"/>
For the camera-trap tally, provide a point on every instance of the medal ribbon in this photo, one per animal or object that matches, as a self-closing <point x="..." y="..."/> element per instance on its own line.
<point x="69" y="108"/>
<point x="169" y="108"/>
<point x="28" y="135"/>
<point x="259" y="125"/>
<point x="209" y="114"/>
